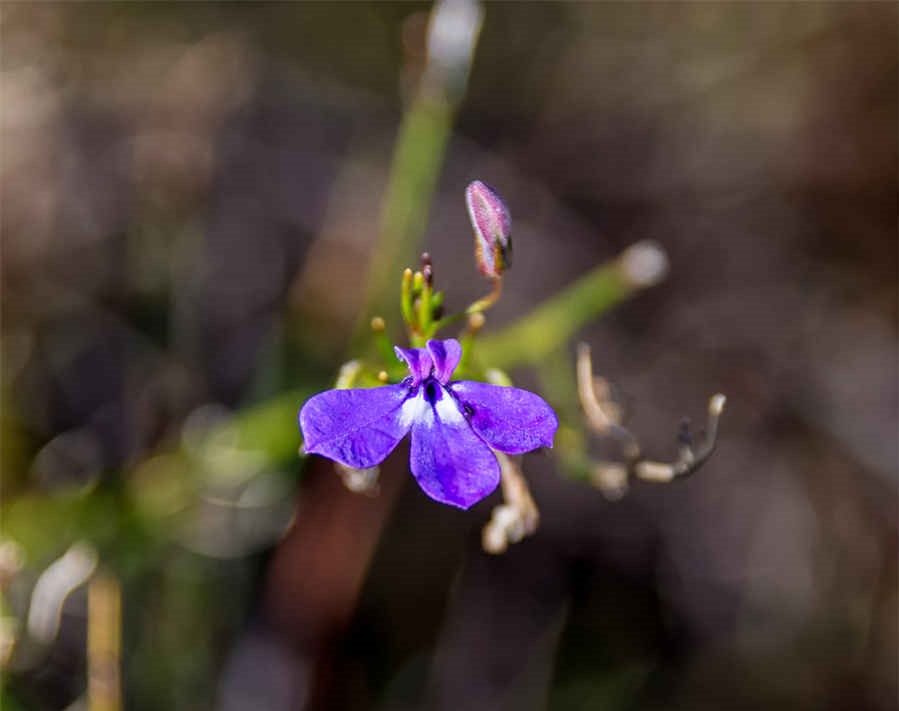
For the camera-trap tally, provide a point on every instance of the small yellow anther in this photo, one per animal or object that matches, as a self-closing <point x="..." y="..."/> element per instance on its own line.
<point x="377" y="324"/>
<point x="382" y="376"/>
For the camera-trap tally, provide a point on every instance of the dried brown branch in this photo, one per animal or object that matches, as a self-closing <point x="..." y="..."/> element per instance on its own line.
<point x="604" y="418"/>
<point x="517" y="517"/>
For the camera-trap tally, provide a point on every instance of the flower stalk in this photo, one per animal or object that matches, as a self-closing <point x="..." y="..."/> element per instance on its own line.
<point x="420" y="147"/>
<point x="603" y="417"/>
<point x="517" y="517"/>
<point x="553" y="323"/>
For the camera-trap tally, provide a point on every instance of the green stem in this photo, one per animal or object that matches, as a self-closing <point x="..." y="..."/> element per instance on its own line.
<point x="476" y="307"/>
<point x="417" y="159"/>
<point x="406" y="298"/>
<point x="424" y="310"/>
<point x="486" y="302"/>
<point x="449" y="320"/>
<point x="552" y="324"/>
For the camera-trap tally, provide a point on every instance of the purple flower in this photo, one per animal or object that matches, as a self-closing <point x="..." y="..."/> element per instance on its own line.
<point x="454" y="425"/>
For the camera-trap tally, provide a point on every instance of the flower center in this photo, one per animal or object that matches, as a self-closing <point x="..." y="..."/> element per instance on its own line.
<point x="432" y="390"/>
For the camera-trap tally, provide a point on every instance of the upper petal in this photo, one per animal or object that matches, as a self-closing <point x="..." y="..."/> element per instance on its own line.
<point x="511" y="420"/>
<point x="418" y="360"/>
<point x="446" y="356"/>
<point x="358" y="428"/>
<point x="450" y="462"/>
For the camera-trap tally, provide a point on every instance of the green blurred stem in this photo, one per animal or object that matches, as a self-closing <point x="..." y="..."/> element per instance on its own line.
<point x="534" y="337"/>
<point x="417" y="159"/>
<point x="558" y="384"/>
<point x="406" y="297"/>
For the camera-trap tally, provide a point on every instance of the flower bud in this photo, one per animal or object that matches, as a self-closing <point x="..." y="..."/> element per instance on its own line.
<point x="492" y="229"/>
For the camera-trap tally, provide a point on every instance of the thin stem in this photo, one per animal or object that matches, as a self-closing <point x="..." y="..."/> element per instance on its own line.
<point x="551" y="325"/>
<point x="104" y="643"/>
<point x="449" y="320"/>
<point x="425" y="312"/>
<point x="476" y="307"/>
<point x="599" y="414"/>
<point x="517" y="517"/>
<point x="486" y="302"/>
<point x="612" y="477"/>
<point x="417" y="159"/>
<point x="406" y="297"/>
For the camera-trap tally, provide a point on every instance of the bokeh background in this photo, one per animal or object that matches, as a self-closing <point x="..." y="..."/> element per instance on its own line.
<point x="191" y="197"/>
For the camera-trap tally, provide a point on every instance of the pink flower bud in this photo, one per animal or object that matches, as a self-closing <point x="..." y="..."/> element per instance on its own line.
<point x="492" y="229"/>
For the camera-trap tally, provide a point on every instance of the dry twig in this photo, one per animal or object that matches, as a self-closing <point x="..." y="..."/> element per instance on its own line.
<point x="604" y="418"/>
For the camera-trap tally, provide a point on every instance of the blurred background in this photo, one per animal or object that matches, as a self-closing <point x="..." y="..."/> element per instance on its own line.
<point x="191" y="198"/>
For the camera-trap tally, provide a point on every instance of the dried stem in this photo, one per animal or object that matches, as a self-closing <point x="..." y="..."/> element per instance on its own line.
<point x="104" y="641"/>
<point x="517" y="517"/>
<point x="603" y="417"/>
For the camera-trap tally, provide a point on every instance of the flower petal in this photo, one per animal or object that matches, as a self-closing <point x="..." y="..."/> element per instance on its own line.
<point x="445" y="356"/>
<point x="451" y="463"/>
<point x="358" y="428"/>
<point x="418" y="360"/>
<point x="492" y="228"/>
<point x="511" y="420"/>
